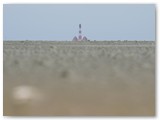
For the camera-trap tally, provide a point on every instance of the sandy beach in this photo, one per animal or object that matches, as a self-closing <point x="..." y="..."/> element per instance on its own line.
<point x="107" y="78"/>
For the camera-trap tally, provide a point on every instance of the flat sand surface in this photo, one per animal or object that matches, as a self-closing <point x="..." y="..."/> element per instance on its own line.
<point x="45" y="78"/>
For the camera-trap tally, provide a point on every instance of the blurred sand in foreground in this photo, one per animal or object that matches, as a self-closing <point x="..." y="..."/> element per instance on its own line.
<point x="111" y="78"/>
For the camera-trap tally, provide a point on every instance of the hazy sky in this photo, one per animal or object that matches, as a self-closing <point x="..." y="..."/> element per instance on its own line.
<point x="60" y="22"/>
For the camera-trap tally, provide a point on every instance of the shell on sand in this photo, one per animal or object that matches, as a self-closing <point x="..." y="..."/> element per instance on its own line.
<point x="26" y="95"/>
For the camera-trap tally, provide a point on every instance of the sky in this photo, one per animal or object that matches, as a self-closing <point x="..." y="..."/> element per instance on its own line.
<point x="61" y="21"/>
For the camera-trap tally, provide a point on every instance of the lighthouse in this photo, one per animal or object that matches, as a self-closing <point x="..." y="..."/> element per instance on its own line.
<point x="80" y="37"/>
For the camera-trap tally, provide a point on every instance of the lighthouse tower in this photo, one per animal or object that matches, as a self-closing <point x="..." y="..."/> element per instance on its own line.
<point x="80" y="37"/>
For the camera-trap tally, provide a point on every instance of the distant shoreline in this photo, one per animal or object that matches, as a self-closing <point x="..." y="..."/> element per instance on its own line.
<point x="87" y="41"/>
